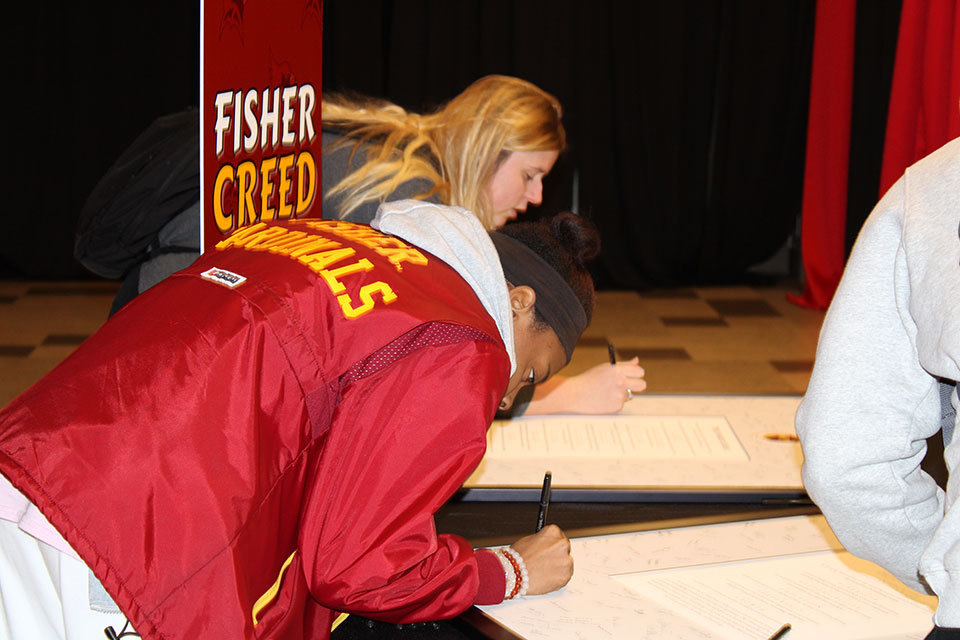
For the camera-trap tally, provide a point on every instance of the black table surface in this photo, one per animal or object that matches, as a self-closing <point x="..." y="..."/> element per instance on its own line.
<point x="497" y="523"/>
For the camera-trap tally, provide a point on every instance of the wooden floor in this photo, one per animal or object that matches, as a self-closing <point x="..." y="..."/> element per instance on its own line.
<point x="700" y="340"/>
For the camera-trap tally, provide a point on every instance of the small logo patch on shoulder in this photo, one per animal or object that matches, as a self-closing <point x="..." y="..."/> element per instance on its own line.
<point x="224" y="277"/>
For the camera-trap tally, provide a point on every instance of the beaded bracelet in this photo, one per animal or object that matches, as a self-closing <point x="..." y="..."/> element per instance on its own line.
<point x="521" y="576"/>
<point x="508" y="573"/>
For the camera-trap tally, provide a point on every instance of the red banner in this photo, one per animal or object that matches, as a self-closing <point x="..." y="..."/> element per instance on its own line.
<point x="260" y="89"/>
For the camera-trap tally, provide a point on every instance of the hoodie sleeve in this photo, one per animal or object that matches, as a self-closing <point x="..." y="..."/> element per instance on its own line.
<point x="870" y="406"/>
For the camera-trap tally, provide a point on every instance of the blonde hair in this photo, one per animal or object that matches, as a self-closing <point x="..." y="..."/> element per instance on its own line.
<point x="457" y="147"/>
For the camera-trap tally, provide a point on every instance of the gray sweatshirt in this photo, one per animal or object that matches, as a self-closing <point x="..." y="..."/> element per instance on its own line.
<point x="893" y="330"/>
<point x="456" y="236"/>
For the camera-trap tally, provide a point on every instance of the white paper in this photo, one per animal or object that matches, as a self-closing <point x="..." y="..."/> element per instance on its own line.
<point x="821" y="595"/>
<point x="597" y="605"/>
<point x="623" y="436"/>
<point x="657" y="442"/>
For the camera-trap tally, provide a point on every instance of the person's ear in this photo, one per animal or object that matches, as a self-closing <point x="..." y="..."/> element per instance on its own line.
<point x="522" y="299"/>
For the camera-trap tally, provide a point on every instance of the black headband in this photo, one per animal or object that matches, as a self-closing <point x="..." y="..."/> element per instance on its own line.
<point x="556" y="301"/>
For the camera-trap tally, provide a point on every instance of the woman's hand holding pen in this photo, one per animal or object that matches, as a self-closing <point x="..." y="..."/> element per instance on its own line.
<point x="547" y="556"/>
<point x="606" y="387"/>
<point x="603" y="388"/>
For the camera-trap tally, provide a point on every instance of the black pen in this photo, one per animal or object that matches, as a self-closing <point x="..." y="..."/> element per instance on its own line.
<point x="613" y="353"/>
<point x="781" y="632"/>
<point x="544" y="501"/>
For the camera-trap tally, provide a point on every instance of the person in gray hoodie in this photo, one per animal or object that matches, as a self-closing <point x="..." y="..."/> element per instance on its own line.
<point x="889" y="351"/>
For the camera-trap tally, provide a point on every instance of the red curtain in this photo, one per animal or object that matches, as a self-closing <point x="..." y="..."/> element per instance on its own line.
<point x="924" y="114"/>
<point x="824" y="210"/>
<point x="925" y="97"/>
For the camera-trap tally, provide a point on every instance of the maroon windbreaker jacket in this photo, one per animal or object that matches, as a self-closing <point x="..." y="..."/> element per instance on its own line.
<point x="262" y="439"/>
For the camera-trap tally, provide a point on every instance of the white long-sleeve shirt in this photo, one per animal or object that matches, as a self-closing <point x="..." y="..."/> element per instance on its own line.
<point x="893" y="330"/>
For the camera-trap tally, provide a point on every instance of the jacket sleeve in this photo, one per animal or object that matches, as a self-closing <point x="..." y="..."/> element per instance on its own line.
<point x="870" y="406"/>
<point x="401" y="442"/>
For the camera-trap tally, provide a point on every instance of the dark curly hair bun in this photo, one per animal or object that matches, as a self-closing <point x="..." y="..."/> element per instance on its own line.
<point x="567" y="242"/>
<point x="577" y="234"/>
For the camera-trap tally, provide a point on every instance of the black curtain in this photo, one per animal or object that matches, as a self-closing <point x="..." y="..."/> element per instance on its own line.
<point x="87" y="78"/>
<point x="686" y="118"/>
<point x="873" y="57"/>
